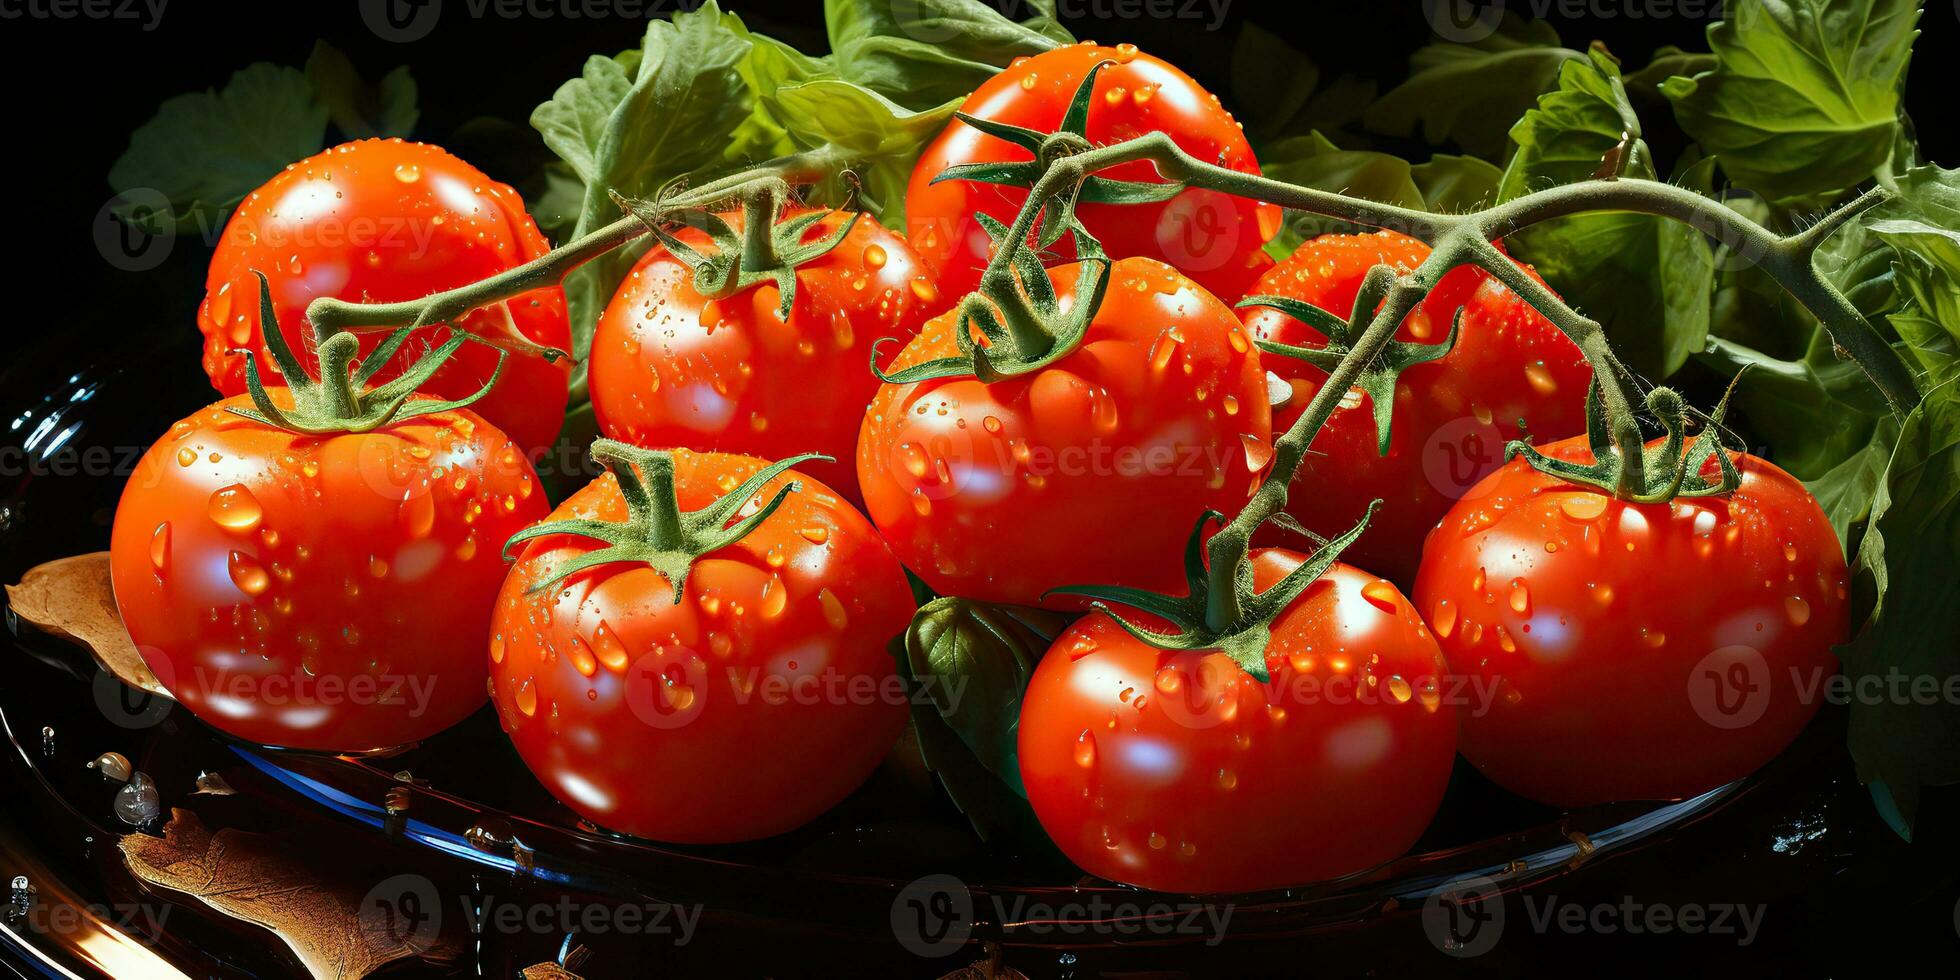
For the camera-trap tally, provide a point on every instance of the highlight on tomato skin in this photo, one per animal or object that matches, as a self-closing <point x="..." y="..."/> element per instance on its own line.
<point x="757" y="702"/>
<point x="1683" y="644"/>
<point x="384" y="221"/>
<point x="670" y="368"/>
<point x="1215" y="238"/>
<point x="1159" y="414"/>
<point x="1510" y="369"/>
<point x="320" y="592"/>
<point x="1178" y="771"/>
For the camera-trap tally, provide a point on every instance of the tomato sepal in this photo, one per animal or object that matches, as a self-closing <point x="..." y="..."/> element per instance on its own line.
<point x="656" y="532"/>
<point x="1665" y="472"/>
<point x="765" y="250"/>
<point x="1240" y="628"/>
<point x="339" y="401"/>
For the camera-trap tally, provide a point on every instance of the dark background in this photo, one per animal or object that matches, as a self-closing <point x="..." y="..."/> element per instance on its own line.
<point x="77" y="87"/>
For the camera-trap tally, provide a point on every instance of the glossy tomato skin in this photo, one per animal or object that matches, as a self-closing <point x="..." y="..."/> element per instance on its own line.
<point x="759" y="701"/>
<point x="1090" y="471"/>
<point x="320" y="592"/>
<point x="384" y="221"/>
<point x="1214" y="238"/>
<point x="1452" y="416"/>
<point x="671" y="369"/>
<point x="1621" y="651"/>
<point x="1178" y="771"/>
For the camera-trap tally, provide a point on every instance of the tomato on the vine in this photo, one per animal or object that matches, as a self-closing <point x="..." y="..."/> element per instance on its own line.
<point x="738" y="710"/>
<point x="383" y="221"/>
<point x="1452" y="416"/>
<point x="1089" y="470"/>
<point x="327" y="592"/>
<point x="1179" y="771"/>
<point x="672" y="368"/>
<point x="1624" y="651"/>
<point x="1215" y="238"/>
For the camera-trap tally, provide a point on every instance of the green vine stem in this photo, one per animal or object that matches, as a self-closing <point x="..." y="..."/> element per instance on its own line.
<point x="331" y="315"/>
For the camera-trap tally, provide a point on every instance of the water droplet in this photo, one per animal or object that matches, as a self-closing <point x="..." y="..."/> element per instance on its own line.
<point x="418" y="513"/>
<point x="1399" y="689"/>
<point x="1541" y="380"/>
<point x="815" y="535"/>
<point x="1381" y="593"/>
<point x="1169" y="680"/>
<point x="1231" y="404"/>
<point x="160" y="547"/>
<point x="582" y="659"/>
<point x="247" y="574"/>
<point x="1443" y="621"/>
<point x="1156" y="841"/>
<point x="1653" y="638"/>
<point x="1582" y="506"/>
<point x="874" y="256"/>
<point x="833" y="609"/>
<point x="611" y="652"/>
<point x="1798" y="609"/>
<point x="1085" y="749"/>
<point x="1227" y="779"/>
<point x="235" y="508"/>
<point x="186" y="456"/>
<point x="775" y="597"/>
<point x="526" y="698"/>
<point x="1258" y="452"/>
<point x="924" y="290"/>
<point x="1520" y="597"/>
<point x="408" y="173"/>
<point x="497" y="648"/>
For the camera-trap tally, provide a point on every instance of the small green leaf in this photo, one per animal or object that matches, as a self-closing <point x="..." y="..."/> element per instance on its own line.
<point x="922" y="53"/>
<point x="1278" y="92"/>
<point x="1804" y="96"/>
<point x="1470" y="93"/>
<point x="360" y="110"/>
<point x="1314" y="161"/>
<point x="206" y="150"/>
<point x="974" y="660"/>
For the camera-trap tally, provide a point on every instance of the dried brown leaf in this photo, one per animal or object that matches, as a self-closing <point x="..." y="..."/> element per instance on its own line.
<point x="72" y="598"/>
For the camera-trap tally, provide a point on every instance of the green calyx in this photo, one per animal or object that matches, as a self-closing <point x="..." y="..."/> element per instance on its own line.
<point x="1071" y="138"/>
<point x="656" y="532"/>
<point x="1664" y="472"/>
<point x="768" y="248"/>
<point x="340" y="401"/>
<point x="1379" y="375"/>
<point x="1018" y="313"/>
<point x="1220" y="610"/>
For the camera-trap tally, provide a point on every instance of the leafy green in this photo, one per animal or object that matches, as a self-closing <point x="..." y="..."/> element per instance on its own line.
<point x="684" y="105"/>
<point x="1646" y="279"/>
<point x="1804" y="97"/>
<point x="1456" y="184"/>
<point x="206" y="150"/>
<point x="967" y="664"/>
<point x="922" y="53"/>
<point x="1277" y="91"/>
<point x="883" y="137"/>
<point x="358" y="109"/>
<point x="1470" y="92"/>
<point x="1902" y="741"/>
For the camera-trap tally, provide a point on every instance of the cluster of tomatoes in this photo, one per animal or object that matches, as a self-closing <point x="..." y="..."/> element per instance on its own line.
<point x="668" y="677"/>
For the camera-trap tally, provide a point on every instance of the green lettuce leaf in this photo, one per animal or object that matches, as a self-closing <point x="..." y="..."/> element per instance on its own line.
<point x="922" y="53"/>
<point x="1470" y="93"/>
<point x="883" y="137"/>
<point x="1646" y="279"/>
<point x="1804" y="97"/>
<point x="358" y="109"/>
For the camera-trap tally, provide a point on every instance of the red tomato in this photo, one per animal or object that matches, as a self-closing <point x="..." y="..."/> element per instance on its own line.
<point x="1452" y="415"/>
<point x="320" y="592"/>
<point x="1619" y="651"/>
<point x="1178" y="771"/>
<point x="669" y="368"/>
<point x="758" y="701"/>
<point x="385" y="221"/>
<point x="1090" y="471"/>
<point x="1213" y="237"/>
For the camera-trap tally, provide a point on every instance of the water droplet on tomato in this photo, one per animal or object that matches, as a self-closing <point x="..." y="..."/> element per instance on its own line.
<point x="1582" y="506"/>
<point x="160" y="547"/>
<point x="774" y="599"/>
<point x="874" y="256"/>
<point x="833" y="609"/>
<point x="815" y="535"/>
<point x="1520" y="597"/>
<point x="1382" y="595"/>
<point x="1258" y="452"/>
<point x="1540" y="379"/>
<point x="527" y="698"/>
<point x="582" y="659"/>
<point x="408" y="173"/>
<point x="1169" y="680"/>
<point x="1444" y="619"/>
<point x="1399" y="689"/>
<point x="186" y="456"/>
<point x="235" y="508"/>
<point x="1085" y="749"/>
<point x="611" y="652"/>
<point x="1798" y="609"/>
<point x="247" y="574"/>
